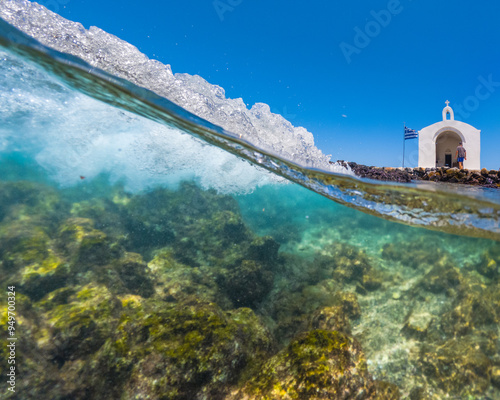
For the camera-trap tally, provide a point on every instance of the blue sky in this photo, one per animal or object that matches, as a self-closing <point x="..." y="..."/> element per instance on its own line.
<point x="310" y="63"/>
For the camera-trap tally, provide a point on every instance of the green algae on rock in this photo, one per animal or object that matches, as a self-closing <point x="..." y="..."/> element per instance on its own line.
<point x="317" y="365"/>
<point x="141" y="291"/>
<point x="248" y="283"/>
<point x="331" y="319"/>
<point x="188" y="350"/>
<point x="458" y="366"/>
<point x="176" y="282"/>
<point x="81" y="326"/>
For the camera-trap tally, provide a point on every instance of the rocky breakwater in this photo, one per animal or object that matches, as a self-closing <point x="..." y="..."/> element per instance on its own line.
<point x="483" y="177"/>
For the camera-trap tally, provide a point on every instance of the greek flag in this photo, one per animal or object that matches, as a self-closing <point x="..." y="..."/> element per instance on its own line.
<point x="410" y="133"/>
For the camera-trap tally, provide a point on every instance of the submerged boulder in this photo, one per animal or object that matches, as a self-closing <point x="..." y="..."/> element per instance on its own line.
<point x="24" y="199"/>
<point x="187" y="351"/>
<point x="457" y="366"/>
<point x="317" y="365"/>
<point x="264" y="249"/>
<point x="134" y="274"/>
<point x="85" y="246"/>
<point x="415" y="254"/>
<point x="22" y="242"/>
<point x="248" y="283"/>
<point x="29" y="259"/>
<point x="40" y="278"/>
<point x="442" y="278"/>
<point x="80" y="325"/>
<point x="489" y="264"/>
<point x="177" y="282"/>
<point x="331" y="319"/>
<point x="349" y="263"/>
<point x="475" y="309"/>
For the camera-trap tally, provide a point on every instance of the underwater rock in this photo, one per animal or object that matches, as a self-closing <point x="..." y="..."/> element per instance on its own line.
<point x="417" y="323"/>
<point x="371" y="280"/>
<point x="22" y="242"/>
<point x="349" y="303"/>
<point x="317" y="365"/>
<point x="43" y="277"/>
<point x="457" y="366"/>
<point x="349" y="263"/>
<point x="84" y="245"/>
<point x="386" y="391"/>
<point x="230" y="227"/>
<point x="490" y="263"/>
<point x="106" y="213"/>
<point x="414" y="254"/>
<point x="148" y="348"/>
<point x="292" y="303"/>
<point x="476" y="308"/>
<point x="419" y="393"/>
<point x="134" y="274"/>
<point x="29" y="199"/>
<point x="331" y="319"/>
<point x="176" y="282"/>
<point x="80" y="326"/>
<point x="28" y="260"/>
<point x="189" y="219"/>
<point x="441" y="278"/>
<point x="188" y="350"/>
<point x="264" y="249"/>
<point x="247" y="284"/>
<point x="495" y="376"/>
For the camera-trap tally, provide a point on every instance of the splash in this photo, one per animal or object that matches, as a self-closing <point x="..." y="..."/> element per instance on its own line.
<point x="67" y="130"/>
<point x="263" y="129"/>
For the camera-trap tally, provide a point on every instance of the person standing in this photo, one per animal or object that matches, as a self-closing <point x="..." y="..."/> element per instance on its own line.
<point x="461" y="155"/>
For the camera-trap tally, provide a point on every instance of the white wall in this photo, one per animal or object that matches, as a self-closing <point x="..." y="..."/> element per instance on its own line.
<point x="470" y="136"/>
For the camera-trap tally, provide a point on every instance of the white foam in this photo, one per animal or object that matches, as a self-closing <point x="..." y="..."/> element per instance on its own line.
<point x="268" y="131"/>
<point x="72" y="135"/>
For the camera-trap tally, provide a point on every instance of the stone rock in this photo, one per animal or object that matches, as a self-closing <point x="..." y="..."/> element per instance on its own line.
<point x="264" y="249"/>
<point x="176" y="282"/>
<point x="475" y="309"/>
<point x="495" y="376"/>
<point x="441" y="278"/>
<point x="317" y="365"/>
<point x="457" y="366"/>
<point x="417" y="323"/>
<point x="247" y="284"/>
<point x="331" y="319"/>
<point x="84" y="245"/>
<point x="386" y="391"/>
<point x="187" y="351"/>
<point x="134" y="274"/>
<point x="453" y="175"/>
<point x="349" y="304"/>
<point x="489" y="263"/>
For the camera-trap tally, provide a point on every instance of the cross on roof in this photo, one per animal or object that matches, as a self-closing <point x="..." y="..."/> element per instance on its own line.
<point x="447" y="103"/>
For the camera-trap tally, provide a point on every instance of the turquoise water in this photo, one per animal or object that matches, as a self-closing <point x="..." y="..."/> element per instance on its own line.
<point x="156" y="255"/>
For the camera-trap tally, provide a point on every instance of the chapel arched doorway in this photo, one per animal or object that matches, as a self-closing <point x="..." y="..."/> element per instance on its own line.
<point x="446" y="147"/>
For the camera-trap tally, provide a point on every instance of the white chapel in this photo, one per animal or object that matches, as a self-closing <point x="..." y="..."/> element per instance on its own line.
<point x="437" y="143"/>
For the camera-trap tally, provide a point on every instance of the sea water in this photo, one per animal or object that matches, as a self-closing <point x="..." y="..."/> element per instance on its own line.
<point x="149" y="253"/>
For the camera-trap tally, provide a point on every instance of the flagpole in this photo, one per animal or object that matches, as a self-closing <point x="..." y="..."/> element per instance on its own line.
<point x="404" y="140"/>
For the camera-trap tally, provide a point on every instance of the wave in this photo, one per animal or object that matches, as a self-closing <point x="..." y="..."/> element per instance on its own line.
<point x="265" y="130"/>
<point x="52" y="88"/>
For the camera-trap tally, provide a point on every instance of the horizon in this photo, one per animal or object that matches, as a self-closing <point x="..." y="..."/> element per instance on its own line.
<point x="354" y="76"/>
